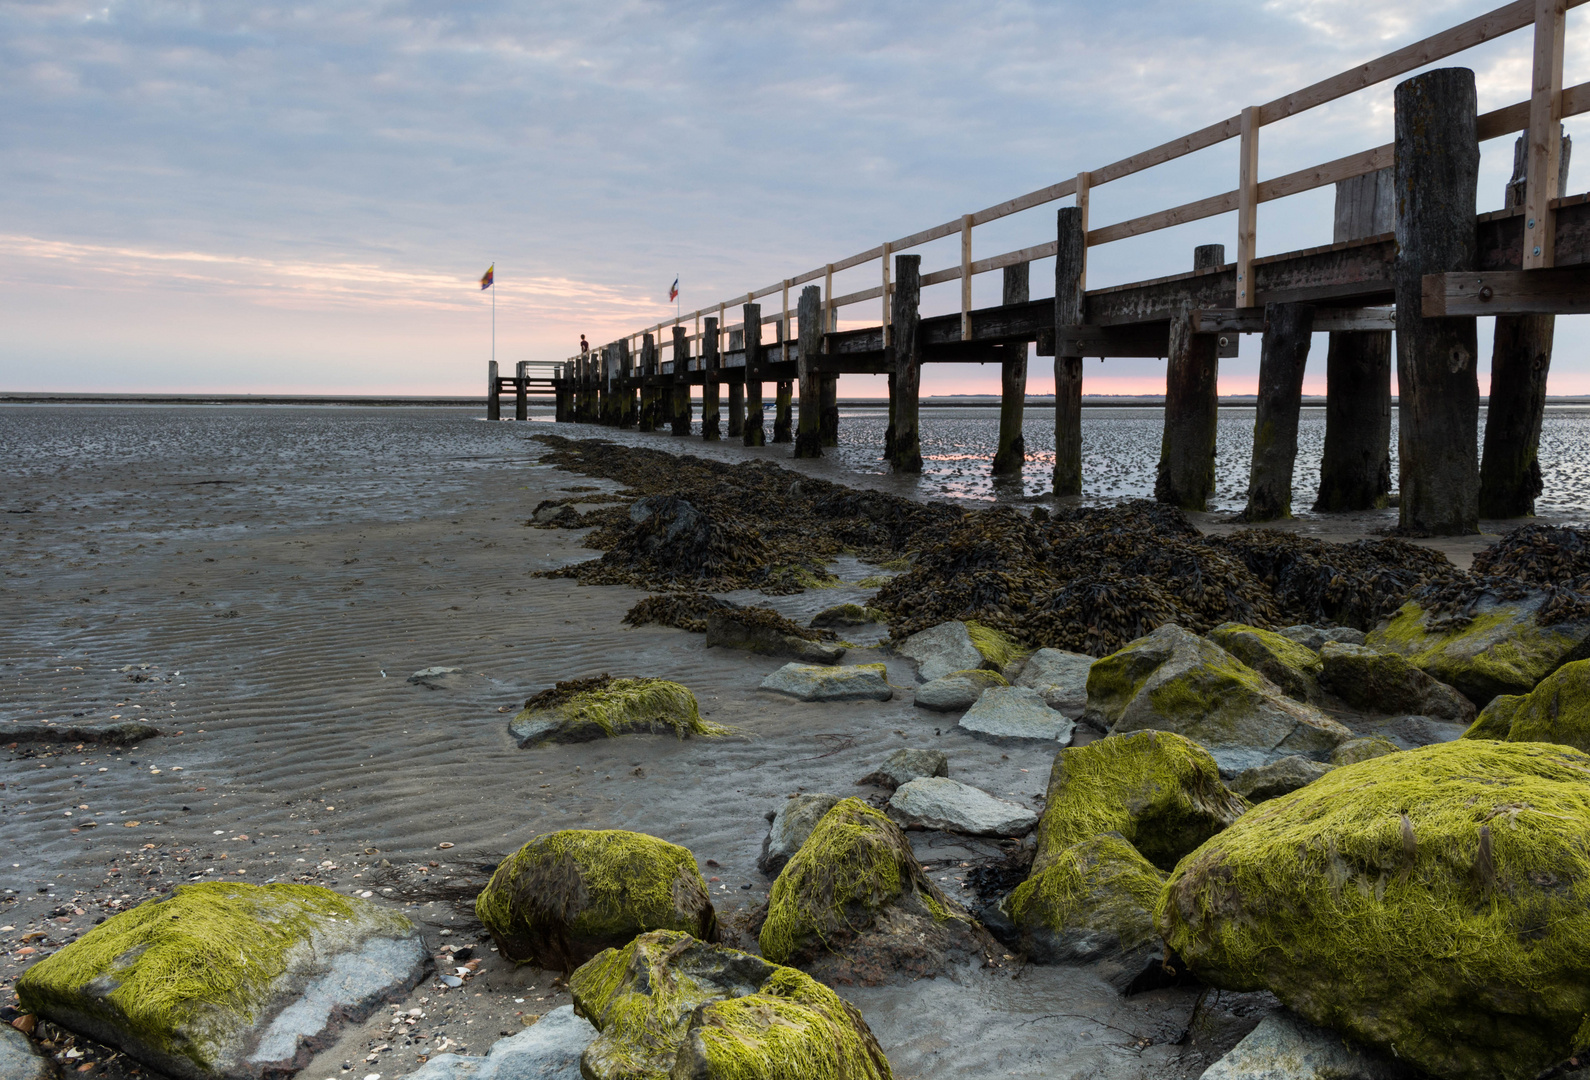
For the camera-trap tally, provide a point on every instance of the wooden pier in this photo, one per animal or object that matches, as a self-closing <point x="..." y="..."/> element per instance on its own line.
<point x="1407" y="255"/>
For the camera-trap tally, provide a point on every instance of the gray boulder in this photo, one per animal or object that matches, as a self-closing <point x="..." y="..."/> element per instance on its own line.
<point x="904" y="766"/>
<point x="1061" y="677"/>
<point x="1287" y="1047"/>
<point x="18" y="1058"/>
<point x="549" y="1049"/>
<point x="939" y="803"/>
<point x="808" y="682"/>
<point x="957" y="691"/>
<point x="1015" y="714"/>
<point x="730" y="629"/>
<point x="1280" y="777"/>
<point x="789" y="826"/>
<point x="940" y="650"/>
<point x="1315" y="637"/>
<point x="1385" y="682"/>
<point x="1423" y="730"/>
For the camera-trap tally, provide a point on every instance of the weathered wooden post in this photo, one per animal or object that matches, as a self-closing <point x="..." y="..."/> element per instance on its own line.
<point x="905" y="358"/>
<point x="783" y="403"/>
<point x="1069" y="298"/>
<point x="521" y="390"/>
<point x="808" y="438"/>
<point x="1186" y="475"/>
<point x="1520" y="361"/>
<point x="711" y="430"/>
<point x="681" y="395"/>
<point x="607" y="399"/>
<point x="1011" y="453"/>
<point x="737" y="390"/>
<point x="647" y="421"/>
<point x="1288" y="331"/>
<point x="1437" y="167"/>
<point x="754" y="435"/>
<point x="582" y="394"/>
<point x="828" y="415"/>
<point x="627" y="416"/>
<point x="493" y="392"/>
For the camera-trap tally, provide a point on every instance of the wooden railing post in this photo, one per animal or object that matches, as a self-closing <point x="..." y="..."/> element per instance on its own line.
<point x="966" y="277"/>
<point x="754" y="435"/>
<point x="1438" y="414"/>
<point x="1288" y="332"/>
<point x="905" y="358"/>
<point x="493" y="392"/>
<point x="1545" y="135"/>
<point x="1247" y="206"/>
<point x="1084" y="196"/>
<point x="1011" y="452"/>
<point x="1070" y="263"/>
<point x="711" y="429"/>
<point x="808" y="437"/>
<point x="886" y="248"/>
<point x="681" y="389"/>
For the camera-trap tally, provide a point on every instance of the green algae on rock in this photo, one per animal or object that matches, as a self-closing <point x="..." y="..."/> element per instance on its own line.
<point x="1385" y="682"/>
<point x="999" y="650"/>
<point x="1556" y="711"/>
<point x="854" y="902"/>
<point x="1362" y="748"/>
<point x="1434" y="903"/>
<point x="765" y="631"/>
<point x="847" y="615"/>
<point x="228" y="980"/>
<point x="1293" y="667"/>
<point x="1159" y="791"/>
<point x="1496" y="646"/>
<point x="566" y="896"/>
<point x="1092" y="903"/>
<point x="602" y="707"/>
<point x="669" y="1006"/>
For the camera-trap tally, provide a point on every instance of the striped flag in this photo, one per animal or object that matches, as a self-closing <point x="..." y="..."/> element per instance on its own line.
<point x="673" y="290"/>
<point x="488" y="277"/>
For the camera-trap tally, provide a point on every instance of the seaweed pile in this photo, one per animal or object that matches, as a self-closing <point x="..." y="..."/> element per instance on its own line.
<point x="689" y="611"/>
<point x="1541" y="554"/>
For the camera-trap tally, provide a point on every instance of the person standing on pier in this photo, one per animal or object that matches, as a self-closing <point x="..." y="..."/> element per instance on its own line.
<point x="585" y="346"/>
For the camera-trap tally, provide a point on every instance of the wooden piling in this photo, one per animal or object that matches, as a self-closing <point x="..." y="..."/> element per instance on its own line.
<point x="808" y="438"/>
<point x="905" y="355"/>
<point x="1011" y="452"/>
<point x="1288" y="331"/>
<point x="1186" y="474"/>
<point x="521" y="391"/>
<point x="754" y="434"/>
<point x="711" y="424"/>
<point x="1437" y="163"/>
<point x="681" y="389"/>
<point x="783" y="397"/>
<point x="737" y="390"/>
<point x="493" y="392"/>
<point x="1069" y="267"/>
<point x="828" y="416"/>
<point x="647" y="420"/>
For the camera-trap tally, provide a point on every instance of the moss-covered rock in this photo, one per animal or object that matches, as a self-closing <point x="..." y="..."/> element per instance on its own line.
<point x="1174" y="680"/>
<point x="1499" y="647"/>
<point x="1289" y="665"/>
<point x="789" y="826"/>
<point x="847" y="615"/>
<point x="228" y="980"/>
<point x="1280" y="777"/>
<point x="566" y="896"/>
<point x="1362" y="748"/>
<point x="1092" y="903"/>
<point x="761" y="630"/>
<point x="1556" y="711"/>
<point x="1434" y="903"/>
<point x="602" y="707"/>
<point x="855" y="904"/>
<point x="1000" y="651"/>
<point x="1385" y="682"/>
<point x="669" y="1006"/>
<point x="1159" y="791"/>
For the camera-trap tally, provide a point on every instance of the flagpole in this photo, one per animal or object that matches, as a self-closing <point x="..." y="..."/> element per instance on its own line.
<point x="494" y="311"/>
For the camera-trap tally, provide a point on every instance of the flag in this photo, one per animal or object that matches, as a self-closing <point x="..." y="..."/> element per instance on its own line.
<point x="673" y="290"/>
<point x="487" y="277"/>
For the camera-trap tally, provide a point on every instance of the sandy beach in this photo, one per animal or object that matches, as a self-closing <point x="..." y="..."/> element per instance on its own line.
<point x="259" y="584"/>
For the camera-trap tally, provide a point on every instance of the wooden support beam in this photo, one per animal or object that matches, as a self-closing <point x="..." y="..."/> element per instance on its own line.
<point x="1510" y="477"/>
<point x="1247" y="206"/>
<point x="493" y="393"/>
<point x="905" y="451"/>
<point x="808" y="437"/>
<point x="681" y="384"/>
<point x="1561" y="290"/>
<point x="711" y="425"/>
<point x="737" y="388"/>
<point x="1355" y="470"/>
<point x="1146" y="340"/>
<point x="1438" y="416"/>
<point x="1545" y="127"/>
<point x="1071" y="253"/>
<point x="1326" y="320"/>
<point x="1288" y="332"/>
<point x="628" y="417"/>
<point x="755" y="433"/>
<point x="1010" y="454"/>
<point x="1186" y="475"/>
<point x="521" y="392"/>
<point x="966" y="277"/>
<point x="647" y="421"/>
<point x="884" y="293"/>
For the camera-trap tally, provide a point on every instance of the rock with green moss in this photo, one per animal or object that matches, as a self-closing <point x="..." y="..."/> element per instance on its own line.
<point x="227" y="980"/>
<point x="855" y="904"/>
<point x="1315" y="637"/>
<point x="669" y="1006"/>
<point x="957" y="691"/>
<point x="789" y="826"/>
<point x="1385" y="682"/>
<point x="603" y="707"/>
<point x="1093" y="903"/>
<point x="847" y="615"/>
<point x="1289" y="665"/>
<point x="739" y="628"/>
<point x="566" y="896"/>
<point x="1362" y="748"/>
<point x="1159" y="791"/>
<point x="1498" y="646"/>
<point x="1174" y="680"/>
<point x="1556" y="711"/>
<point x="812" y="682"/>
<point x="1000" y="651"/>
<point x="1280" y="777"/>
<point x="1434" y="903"/>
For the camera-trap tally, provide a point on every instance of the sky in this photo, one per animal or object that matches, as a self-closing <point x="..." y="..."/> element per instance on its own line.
<point x="265" y="198"/>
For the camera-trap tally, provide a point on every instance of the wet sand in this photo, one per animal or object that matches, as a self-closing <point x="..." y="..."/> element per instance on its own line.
<point x="259" y="583"/>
